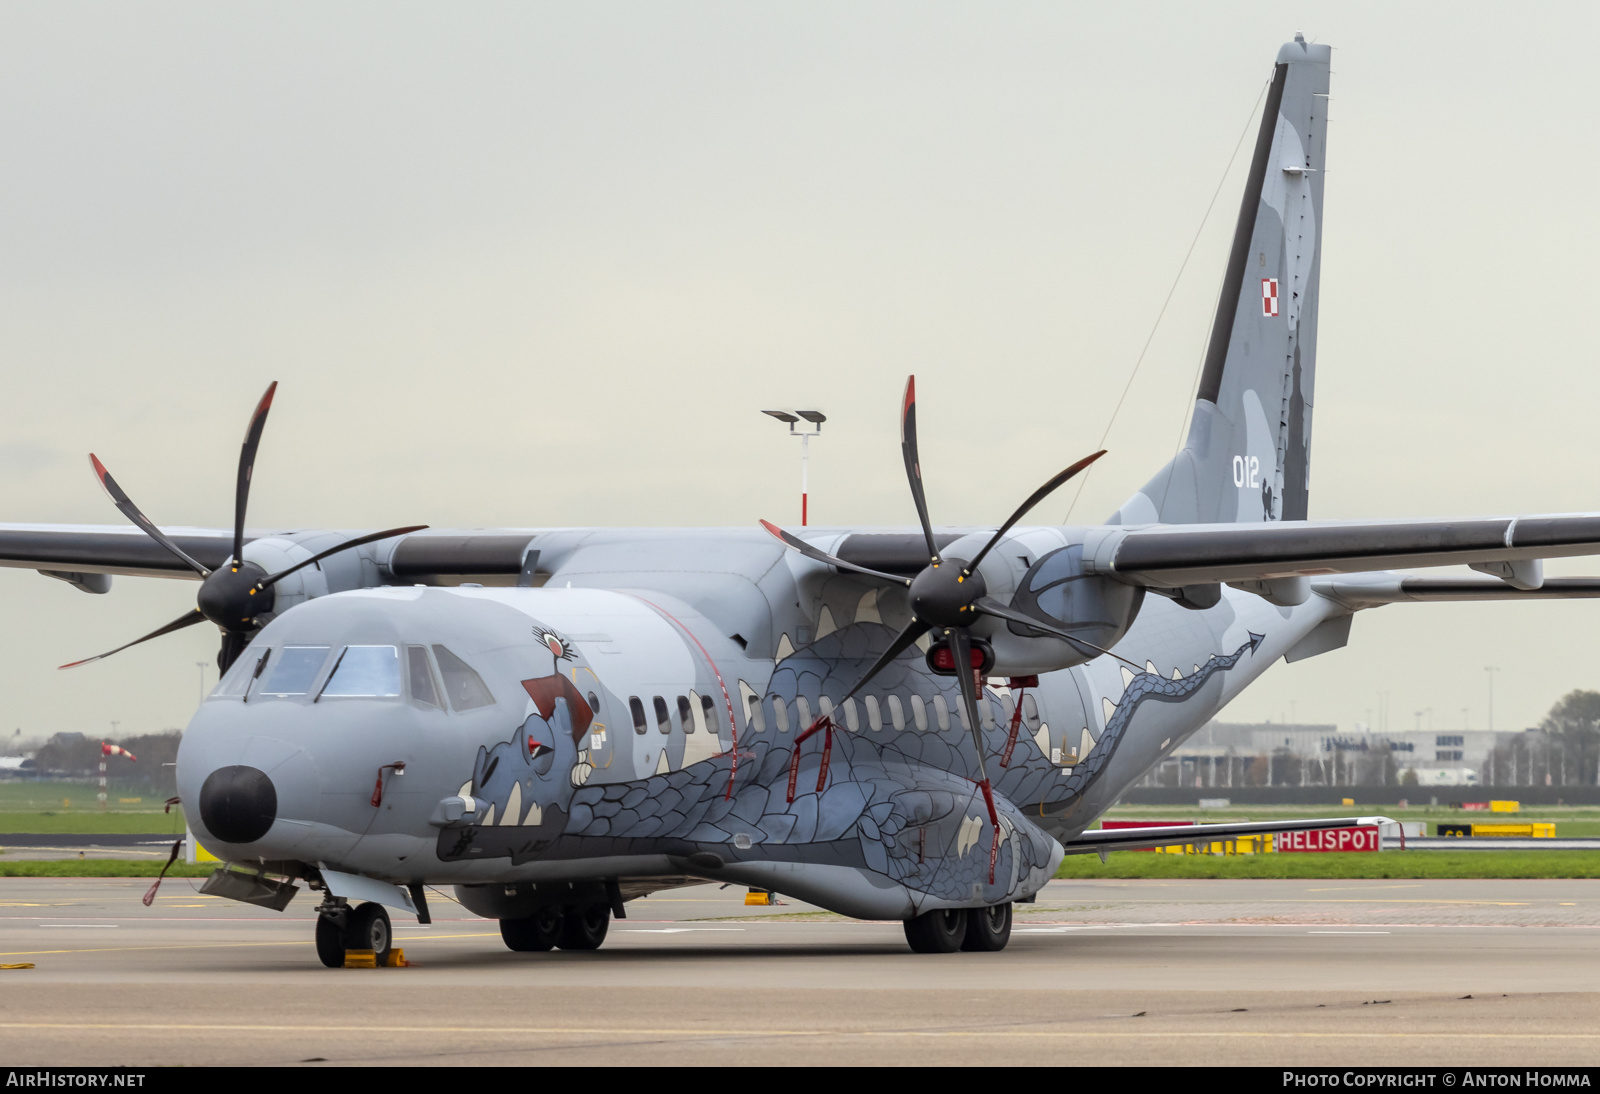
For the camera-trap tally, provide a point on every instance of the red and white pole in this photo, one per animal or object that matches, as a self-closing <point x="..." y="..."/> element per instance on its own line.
<point x="110" y="750"/>
<point x="805" y="460"/>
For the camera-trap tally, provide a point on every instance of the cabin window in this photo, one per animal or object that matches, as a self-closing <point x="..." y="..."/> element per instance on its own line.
<point x="852" y="716"/>
<point x="941" y="712"/>
<point x="780" y="714"/>
<point x="1008" y="707"/>
<point x="366" y="672"/>
<point x="919" y="713"/>
<point x="874" y="714"/>
<point x="295" y="669"/>
<point x="897" y="712"/>
<point x="757" y="720"/>
<point x="663" y="719"/>
<point x="462" y="684"/>
<point x="594" y="704"/>
<point x="1030" y="713"/>
<point x="804" y="709"/>
<point x="685" y="714"/>
<point x="985" y="710"/>
<point x="419" y="677"/>
<point x="709" y="710"/>
<point x="961" y="712"/>
<point x="636" y="708"/>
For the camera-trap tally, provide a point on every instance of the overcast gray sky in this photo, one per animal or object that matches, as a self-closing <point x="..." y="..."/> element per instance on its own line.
<point x="542" y="264"/>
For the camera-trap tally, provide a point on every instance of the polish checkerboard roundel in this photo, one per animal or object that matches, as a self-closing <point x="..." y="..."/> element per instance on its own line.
<point x="1269" y="296"/>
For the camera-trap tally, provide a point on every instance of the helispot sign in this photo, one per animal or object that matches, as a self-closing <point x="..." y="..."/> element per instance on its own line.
<point x="1329" y="839"/>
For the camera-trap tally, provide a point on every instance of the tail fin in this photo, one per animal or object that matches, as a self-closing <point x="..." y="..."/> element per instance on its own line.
<point x="1248" y="455"/>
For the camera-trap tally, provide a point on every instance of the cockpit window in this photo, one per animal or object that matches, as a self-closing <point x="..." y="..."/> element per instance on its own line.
<point x="370" y="671"/>
<point x="294" y="670"/>
<point x="237" y="680"/>
<point x="463" y="685"/>
<point x="420" y="677"/>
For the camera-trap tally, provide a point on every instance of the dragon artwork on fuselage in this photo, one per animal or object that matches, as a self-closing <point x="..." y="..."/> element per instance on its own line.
<point x="905" y="805"/>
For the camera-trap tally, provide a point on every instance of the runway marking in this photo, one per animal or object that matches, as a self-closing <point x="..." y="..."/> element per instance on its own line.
<point x="218" y="945"/>
<point x="748" y="1033"/>
<point x="1348" y="932"/>
<point x="1359" y="888"/>
<point x="96" y="926"/>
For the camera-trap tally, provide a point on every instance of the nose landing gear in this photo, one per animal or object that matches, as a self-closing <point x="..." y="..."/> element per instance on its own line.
<point x="341" y="928"/>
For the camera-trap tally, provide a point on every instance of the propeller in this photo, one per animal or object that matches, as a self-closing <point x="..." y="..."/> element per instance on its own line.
<point x="947" y="596"/>
<point x="238" y="593"/>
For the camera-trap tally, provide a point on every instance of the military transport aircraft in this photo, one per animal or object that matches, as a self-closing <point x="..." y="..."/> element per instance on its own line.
<point x="913" y="724"/>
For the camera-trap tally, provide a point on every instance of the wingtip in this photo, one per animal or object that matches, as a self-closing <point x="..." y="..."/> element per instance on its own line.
<point x="99" y="468"/>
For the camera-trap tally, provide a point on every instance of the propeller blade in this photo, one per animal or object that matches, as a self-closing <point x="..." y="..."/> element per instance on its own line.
<point x="908" y="449"/>
<point x="121" y="500"/>
<point x="371" y="537"/>
<point x="990" y="606"/>
<point x="811" y="552"/>
<point x="961" y="646"/>
<point x="903" y="641"/>
<point x="188" y="619"/>
<point x="247" y="463"/>
<point x="1033" y="499"/>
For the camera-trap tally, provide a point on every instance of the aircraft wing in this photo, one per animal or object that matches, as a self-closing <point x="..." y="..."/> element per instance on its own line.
<point x="1099" y="840"/>
<point x="111" y="549"/>
<point x="1174" y="556"/>
<point x="123" y="549"/>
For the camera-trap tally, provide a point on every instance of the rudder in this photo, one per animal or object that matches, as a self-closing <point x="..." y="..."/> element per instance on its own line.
<point x="1248" y="454"/>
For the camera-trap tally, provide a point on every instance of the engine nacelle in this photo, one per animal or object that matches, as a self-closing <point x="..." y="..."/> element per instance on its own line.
<point x="1058" y="590"/>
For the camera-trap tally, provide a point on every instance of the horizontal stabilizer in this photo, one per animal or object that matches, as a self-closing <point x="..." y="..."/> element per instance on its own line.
<point x="1357" y="592"/>
<point x="1099" y="840"/>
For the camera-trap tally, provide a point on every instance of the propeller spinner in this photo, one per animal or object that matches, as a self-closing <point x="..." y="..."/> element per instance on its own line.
<point x="237" y="594"/>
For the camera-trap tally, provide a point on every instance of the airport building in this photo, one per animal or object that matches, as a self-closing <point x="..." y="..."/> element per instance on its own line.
<point x="1223" y="754"/>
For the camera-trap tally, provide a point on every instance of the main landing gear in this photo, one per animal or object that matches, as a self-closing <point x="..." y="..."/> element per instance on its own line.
<point x="575" y="928"/>
<point x="341" y="927"/>
<point x="947" y="930"/>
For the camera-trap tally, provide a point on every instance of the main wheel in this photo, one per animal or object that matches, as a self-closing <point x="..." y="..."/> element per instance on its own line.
<point x="532" y="934"/>
<point x="988" y="929"/>
<point x="584" y="928"/>
<point x="369" y="930"/>
<point x="940" y="931"/>
<point x="330" y="942"/>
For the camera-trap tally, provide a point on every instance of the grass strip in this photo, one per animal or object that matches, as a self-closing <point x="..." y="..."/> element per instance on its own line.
<point x="1383" y="864"/>
<point x="100" y="867"/>
<point x="92" y="824"/>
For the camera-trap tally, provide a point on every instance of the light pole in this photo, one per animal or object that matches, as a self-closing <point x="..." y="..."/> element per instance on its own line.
<point x="792" y="418"/>
<point x="1491" y="670"/>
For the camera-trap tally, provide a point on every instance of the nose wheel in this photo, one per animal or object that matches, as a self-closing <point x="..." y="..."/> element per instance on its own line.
<point x="341" y="928"/>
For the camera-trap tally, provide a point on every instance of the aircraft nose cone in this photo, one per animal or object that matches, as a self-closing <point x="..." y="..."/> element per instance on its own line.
<point x="238" y="804"/>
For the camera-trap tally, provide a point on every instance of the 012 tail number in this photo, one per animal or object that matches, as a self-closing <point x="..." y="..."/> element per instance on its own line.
<point x="1247" y="471"/>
